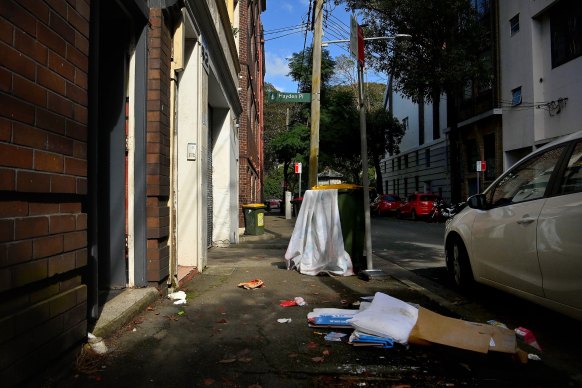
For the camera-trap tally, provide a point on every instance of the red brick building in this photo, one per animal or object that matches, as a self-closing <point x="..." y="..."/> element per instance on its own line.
<point x="251" y="54"/>
<point x="99" y="102"/>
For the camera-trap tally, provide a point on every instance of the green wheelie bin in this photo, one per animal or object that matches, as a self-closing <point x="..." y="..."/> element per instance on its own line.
<point x="350" y="202"/>
<point x="254" y="214"/>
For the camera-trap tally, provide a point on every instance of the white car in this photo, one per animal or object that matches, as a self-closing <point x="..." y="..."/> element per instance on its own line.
<point x="523" y="234"/>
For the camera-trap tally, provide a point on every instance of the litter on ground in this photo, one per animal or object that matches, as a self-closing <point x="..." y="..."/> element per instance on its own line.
<point x="252" y="284"/>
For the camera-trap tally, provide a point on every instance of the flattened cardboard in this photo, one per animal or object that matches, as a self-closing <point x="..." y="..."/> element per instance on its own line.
<point x="435" y="328"/>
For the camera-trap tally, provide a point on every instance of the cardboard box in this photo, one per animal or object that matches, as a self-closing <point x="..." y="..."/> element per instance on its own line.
<point x="478" y="337"/>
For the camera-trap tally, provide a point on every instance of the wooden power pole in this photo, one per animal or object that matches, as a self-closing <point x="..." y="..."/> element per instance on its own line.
<point x="315" y="93"/>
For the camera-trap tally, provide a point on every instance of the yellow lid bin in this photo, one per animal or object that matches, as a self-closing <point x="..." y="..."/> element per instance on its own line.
<point x="254" y="214"/>
<point x="350" y="202"/>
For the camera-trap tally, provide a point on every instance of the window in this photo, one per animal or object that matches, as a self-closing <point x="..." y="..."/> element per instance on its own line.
<point x="406" y="161"/>
<point x="572" y="179"/>
<point x="514" y="24"/>
<point x="393" y="165"/>
<point x="566" y="31"/>
<point x="527" y="181"/>
<point x="417" y="161"/>
<point x="416" y="183"/>
<point x="516" y="96"/>
<point x="399" y="163"/>
<point x="427" y="157"/>
<point x="405" y="123"/>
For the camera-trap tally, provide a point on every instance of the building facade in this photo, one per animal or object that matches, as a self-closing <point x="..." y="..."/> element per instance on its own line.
<point x="443" y="160"/>
<point x="119" y="133"/>
<point x="422" y="166"/>
<point x="251" y="125"/>
<point x="541" y="73"/>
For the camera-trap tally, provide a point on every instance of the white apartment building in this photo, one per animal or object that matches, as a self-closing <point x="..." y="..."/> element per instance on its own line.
<point x="540" y="44"/>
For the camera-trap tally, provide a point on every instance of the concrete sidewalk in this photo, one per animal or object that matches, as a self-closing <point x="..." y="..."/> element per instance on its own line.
<point x="228" y="336"/>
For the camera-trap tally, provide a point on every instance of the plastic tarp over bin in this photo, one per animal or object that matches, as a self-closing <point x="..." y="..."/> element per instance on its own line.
<point x="317" y="244"/>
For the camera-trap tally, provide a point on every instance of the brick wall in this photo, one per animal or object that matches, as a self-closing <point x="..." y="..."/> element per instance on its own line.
<point x="158" y="147"/>
<point x="249" y="130"/>
<point x="44" y="48"/>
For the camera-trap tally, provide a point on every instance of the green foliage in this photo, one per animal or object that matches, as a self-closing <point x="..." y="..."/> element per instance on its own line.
<point x="301" y="65"/>
<point x="275" y="123"/>
<point x="446" y="49"/>
<point x="273" y="183"/>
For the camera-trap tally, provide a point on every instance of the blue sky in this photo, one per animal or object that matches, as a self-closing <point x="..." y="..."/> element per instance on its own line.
<point x="284" y="36"/>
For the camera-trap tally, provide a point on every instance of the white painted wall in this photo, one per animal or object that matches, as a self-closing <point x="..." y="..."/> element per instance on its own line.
<point x="225" y="179"/>
<point x="191" y="213"/>
<point x="525" y="60"/>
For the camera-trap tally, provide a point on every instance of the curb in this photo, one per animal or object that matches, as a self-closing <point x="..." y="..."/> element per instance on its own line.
<point x="122" y="309"/>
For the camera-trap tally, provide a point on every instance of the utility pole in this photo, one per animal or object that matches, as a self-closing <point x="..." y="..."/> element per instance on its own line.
<point x="315" y="93"/>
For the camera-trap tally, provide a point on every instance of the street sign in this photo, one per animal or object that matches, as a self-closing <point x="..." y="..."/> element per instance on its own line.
<point x="356" y="40"/>
<point x="298" y="167"/>
<point x="360" y="45"/>
<point x="481" y="165"/>
<point x="353" y="37"/>
<point x="288" y="97"/>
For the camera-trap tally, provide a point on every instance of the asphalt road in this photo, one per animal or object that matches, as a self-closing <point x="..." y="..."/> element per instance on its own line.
<point x="417" y="247"/>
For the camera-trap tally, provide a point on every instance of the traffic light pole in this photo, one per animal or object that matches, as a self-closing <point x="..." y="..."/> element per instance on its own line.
<point x="365" y="178"/>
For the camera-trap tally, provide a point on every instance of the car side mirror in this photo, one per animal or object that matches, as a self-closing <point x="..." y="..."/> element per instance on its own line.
<point x="477" y="201"/>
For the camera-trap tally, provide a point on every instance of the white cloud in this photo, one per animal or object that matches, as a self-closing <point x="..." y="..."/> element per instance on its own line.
<point x="276" y="65"/>
<point x="285" y="6"/>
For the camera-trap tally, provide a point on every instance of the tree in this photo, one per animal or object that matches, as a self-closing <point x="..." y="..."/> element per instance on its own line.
<point x="339" y="133"/>
<point x="448" y="49"/>
<point x="384" y="135"/>
<point x="275" y="122"/>
<point x="289" y="146"/>
<point x="301" y="65"/>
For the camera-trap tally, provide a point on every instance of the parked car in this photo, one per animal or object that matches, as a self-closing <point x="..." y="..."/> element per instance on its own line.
<point x="386" y="204"/>
<point x="522" y="234"/>
<point x="417" y="205"/>
<point x="273" y="203"/>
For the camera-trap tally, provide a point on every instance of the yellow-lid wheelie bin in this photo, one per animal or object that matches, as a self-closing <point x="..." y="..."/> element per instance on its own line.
<point x="350" y="202"/>
<point x="254" y="214"/>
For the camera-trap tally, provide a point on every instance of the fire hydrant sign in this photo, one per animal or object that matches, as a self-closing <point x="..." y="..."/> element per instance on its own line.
<point x="481" y="165"/>
<point x="298" y="168"/>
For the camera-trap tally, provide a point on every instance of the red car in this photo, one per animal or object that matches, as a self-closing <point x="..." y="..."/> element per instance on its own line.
<point x="386" y="204"/>
<point x="417" y="205"/>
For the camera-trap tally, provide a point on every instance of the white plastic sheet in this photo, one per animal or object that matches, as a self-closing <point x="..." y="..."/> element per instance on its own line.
<point x="317" y="243"/>
<point x="387" y="317"/>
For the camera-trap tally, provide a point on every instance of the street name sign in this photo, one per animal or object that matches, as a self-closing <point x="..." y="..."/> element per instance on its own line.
<point x="288" y="97"/>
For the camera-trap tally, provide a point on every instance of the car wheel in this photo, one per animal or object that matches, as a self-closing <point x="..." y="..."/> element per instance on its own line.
<point x="458" y="264"/>
<point x="413" y="215"/>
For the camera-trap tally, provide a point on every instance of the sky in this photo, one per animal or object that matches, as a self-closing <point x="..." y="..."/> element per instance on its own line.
<point x="284" y="24"/>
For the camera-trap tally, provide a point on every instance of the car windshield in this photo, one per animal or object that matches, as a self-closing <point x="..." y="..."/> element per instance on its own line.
<point x="391" y="198"/>
<point x="427" y="198"/>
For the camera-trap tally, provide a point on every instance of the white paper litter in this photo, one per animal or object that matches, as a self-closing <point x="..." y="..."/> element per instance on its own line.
<point x="387" y="317"/>
<point x="97" y="344"/>
<point x="284" y="320"/>
<point x="179" y="297"/>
